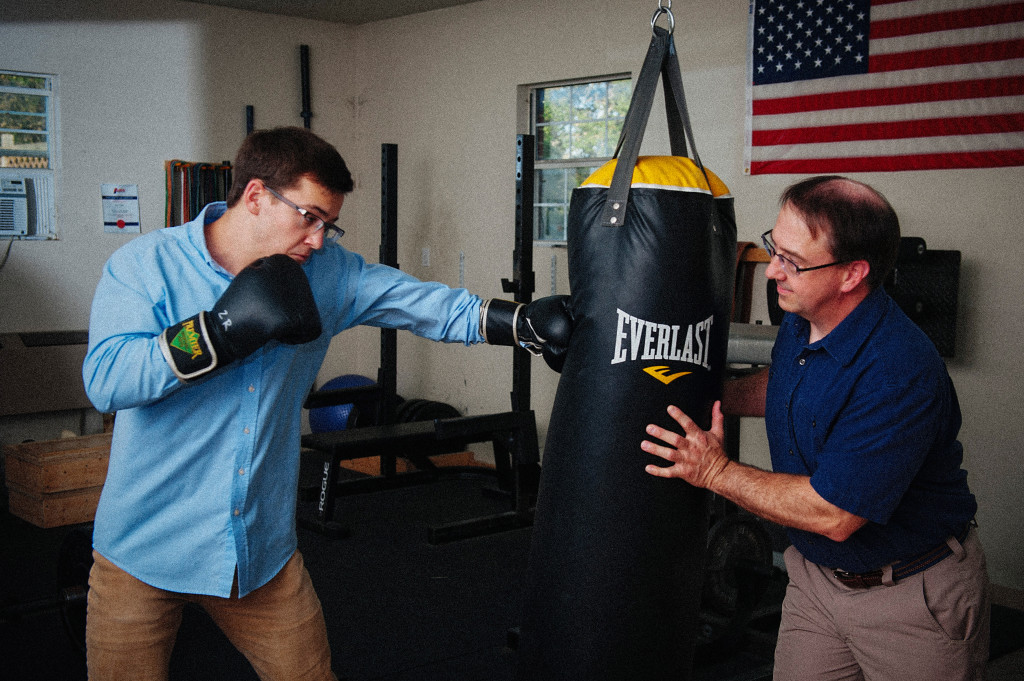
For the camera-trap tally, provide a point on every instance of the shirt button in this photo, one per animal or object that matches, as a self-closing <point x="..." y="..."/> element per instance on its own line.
<point x="803" y="361"/>
<point x="246" y="431"/>
<point x="241" y="471"/>
<point x="252" y="388"/>
<point x="237" y="512"/>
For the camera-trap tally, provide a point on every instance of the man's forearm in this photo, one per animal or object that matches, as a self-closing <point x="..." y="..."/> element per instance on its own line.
<point x="785" y="499"/>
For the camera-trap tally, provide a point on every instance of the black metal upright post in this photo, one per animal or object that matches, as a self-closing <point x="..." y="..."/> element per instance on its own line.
<point x="523" y="282"/>
<point x="307" y="111"/>
<point x="387" y="373"/>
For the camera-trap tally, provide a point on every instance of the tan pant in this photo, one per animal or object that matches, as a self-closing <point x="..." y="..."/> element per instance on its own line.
<point x="932" y="625"/>
<point x="132" y="626"/>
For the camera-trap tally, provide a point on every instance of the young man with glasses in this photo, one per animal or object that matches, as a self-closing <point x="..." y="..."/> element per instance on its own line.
<point x="205" y="339"/>
<point x="887" y="578"/>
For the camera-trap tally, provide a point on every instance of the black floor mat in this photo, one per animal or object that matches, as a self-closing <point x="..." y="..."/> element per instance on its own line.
<point x="397" y="607"/>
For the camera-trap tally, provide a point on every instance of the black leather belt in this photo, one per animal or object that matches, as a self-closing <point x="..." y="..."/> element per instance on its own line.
<point x="900" y="569"/>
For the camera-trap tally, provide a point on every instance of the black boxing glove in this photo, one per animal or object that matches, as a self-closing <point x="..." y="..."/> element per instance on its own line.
<point x="268" y="300"/>
<point x="542" y="327"/>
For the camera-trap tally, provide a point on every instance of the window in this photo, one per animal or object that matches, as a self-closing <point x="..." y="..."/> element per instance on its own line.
<point x="27" y="154"/>
<point x="576" y="125"/>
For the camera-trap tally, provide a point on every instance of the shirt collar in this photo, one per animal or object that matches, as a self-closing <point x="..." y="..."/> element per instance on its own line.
<point x="197" y="233"/>
<point x="844" y="341"/>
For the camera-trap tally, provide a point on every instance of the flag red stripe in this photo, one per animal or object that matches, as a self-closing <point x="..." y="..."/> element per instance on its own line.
<point x="977" y="159"/>
<point x="931" y="127"/>
<point x="945" y="56"/>
<point x="930" y="92"/>
<point x="947" y="21"/>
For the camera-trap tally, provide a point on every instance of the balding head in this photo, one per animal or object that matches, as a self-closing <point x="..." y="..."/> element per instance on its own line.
<point x="856" y="220"/>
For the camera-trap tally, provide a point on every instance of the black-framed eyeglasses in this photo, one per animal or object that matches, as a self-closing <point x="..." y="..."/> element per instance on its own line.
<point x="787" y="265"/>
<point x="313" y="222"/>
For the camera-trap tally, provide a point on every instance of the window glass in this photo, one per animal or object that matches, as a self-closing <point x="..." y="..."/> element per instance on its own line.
<point x="25" y="120"/>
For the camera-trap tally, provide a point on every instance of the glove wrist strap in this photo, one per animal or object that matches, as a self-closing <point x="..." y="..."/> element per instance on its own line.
<point x="501" y="323"/>
<point x="498" y="321"/>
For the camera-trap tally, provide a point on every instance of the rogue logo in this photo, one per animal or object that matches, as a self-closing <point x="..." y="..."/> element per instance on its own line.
<point x="645" y="340"/>
<point x="323" y="486"/>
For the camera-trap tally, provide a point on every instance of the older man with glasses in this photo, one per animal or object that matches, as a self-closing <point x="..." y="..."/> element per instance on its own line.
<point x="887" y="577"/>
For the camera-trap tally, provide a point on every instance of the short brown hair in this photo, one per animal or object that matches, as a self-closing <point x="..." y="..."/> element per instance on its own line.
<point x="857" y="221"/>
<point x="280" y="156"/>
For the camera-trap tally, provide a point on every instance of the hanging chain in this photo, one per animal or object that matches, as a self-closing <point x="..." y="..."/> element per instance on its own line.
<point x="664" y="7"/>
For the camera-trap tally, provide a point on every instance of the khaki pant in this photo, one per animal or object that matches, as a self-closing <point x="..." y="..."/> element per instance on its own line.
<point x="932" y="625"/>
<point x="131" y="626"/>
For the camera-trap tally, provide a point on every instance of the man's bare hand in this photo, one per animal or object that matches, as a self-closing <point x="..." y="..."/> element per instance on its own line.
<point x="696" y="455"/>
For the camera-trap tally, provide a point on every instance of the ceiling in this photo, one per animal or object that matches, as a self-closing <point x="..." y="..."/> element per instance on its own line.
<point x="351" y="12"/>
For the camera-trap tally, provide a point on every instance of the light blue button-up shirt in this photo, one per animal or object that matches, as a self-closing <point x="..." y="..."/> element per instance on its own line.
<point x="203" y="477"/>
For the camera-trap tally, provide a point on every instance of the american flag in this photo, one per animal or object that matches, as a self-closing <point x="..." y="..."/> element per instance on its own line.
<point x="876" y="85"/>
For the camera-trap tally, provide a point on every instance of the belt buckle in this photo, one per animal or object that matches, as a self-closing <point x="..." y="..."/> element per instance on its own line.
<point x="853" y="579"/>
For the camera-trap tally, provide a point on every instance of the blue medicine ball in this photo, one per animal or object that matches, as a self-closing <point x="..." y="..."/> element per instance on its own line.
<point x="335" y="417"/>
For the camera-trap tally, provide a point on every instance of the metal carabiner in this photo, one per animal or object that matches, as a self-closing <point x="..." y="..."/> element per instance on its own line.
<point x="664" y="9"/>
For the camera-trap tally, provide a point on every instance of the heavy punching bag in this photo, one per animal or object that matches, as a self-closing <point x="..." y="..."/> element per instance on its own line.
<point x="615" y="568"/>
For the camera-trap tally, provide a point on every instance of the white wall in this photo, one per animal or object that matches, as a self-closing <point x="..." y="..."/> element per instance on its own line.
<point x="143" y="85"/>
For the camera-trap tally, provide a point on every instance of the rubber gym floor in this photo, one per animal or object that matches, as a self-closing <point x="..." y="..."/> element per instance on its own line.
<point x="397" y="607"/>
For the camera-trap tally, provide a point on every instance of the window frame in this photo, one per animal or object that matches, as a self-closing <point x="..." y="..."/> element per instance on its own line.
<point x="44" y="228"/>
<point x="527" y="117"/>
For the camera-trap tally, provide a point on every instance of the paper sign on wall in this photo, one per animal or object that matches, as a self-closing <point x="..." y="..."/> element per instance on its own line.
<point x="121" y="208"/>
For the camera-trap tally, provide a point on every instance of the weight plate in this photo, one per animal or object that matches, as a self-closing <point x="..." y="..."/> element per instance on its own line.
<point x="731" y="541"/>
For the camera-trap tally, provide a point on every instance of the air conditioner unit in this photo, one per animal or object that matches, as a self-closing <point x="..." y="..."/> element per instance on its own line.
<point x="26" y="204"/>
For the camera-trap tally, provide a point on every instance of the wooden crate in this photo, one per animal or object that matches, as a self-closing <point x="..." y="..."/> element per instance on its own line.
<point x="54" y="509"/>
<point x="57" y="482"/>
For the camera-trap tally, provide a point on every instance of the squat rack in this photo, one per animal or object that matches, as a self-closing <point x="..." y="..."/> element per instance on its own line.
<point x="513" y="434"/>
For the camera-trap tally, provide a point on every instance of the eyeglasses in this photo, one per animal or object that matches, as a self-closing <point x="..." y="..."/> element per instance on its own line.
<point x="313" y="222"/>
<point x="787" y="265"/>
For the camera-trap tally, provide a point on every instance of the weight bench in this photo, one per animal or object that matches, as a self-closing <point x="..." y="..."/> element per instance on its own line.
<point x="516" y="455"/>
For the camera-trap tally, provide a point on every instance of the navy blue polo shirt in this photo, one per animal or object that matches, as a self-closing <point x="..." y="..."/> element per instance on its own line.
<point x="870" y="414"/>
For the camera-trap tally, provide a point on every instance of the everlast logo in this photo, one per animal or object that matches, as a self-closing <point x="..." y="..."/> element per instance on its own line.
<point x="640" y="339"/>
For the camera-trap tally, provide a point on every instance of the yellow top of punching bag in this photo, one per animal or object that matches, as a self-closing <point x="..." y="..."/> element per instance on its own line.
<point x="662" y="172"/>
